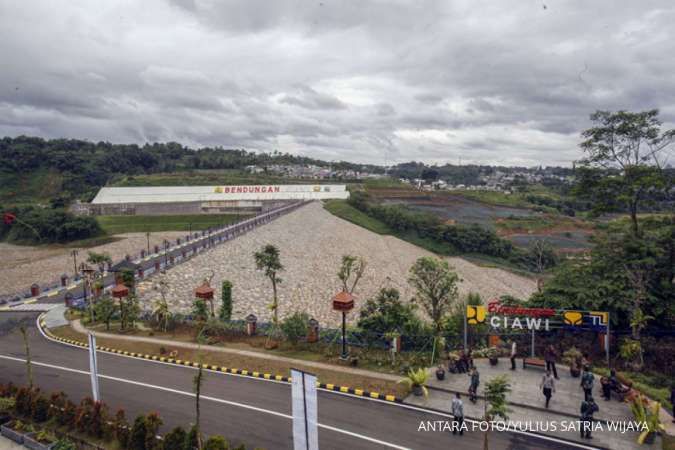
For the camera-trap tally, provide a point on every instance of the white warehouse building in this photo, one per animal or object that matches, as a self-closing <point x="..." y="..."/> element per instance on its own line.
<point x="159" y="200"/>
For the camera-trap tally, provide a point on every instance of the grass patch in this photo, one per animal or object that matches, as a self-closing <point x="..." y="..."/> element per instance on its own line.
<point x="259" y="364"/>
<point x="130" y="224"/>
<point x="345" y="211"/>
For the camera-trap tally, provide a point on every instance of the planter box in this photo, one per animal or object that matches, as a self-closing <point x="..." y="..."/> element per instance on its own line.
<point x="30" y="441"/>
<point x="11" y="434"/>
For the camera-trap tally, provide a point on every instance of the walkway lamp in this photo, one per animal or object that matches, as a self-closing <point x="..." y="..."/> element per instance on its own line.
<point x="343" y="302"/>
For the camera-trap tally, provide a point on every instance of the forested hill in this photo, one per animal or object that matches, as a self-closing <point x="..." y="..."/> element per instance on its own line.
<point x="35" y="168"/>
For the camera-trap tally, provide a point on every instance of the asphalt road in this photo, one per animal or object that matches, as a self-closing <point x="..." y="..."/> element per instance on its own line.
<point x="251" y="411"/>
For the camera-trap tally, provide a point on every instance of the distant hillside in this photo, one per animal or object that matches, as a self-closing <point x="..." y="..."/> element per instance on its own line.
<point x="35" y="170"/>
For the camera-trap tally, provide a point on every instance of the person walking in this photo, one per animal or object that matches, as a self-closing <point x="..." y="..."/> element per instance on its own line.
<point x="587" y="380"/>
<point x="473" y="387"/>
<point x="514" y="351"/>
<point x="548" y="386"/>
<point x="457" y="415"/>
<point x="550" y="355"/>
<point x="588" y="408"/>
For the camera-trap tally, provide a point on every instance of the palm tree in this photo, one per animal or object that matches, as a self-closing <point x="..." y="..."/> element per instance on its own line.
<point x="99" y="259"/>
<point x="162" y="313"/>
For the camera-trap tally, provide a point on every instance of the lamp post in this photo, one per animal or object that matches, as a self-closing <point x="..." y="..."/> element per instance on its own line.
<point x="147" y="237"/>
<point x="166" y="253"/>
<point x="86" y="273"/>
<point x="74" y="253"/>
<point x="343" y="302"/>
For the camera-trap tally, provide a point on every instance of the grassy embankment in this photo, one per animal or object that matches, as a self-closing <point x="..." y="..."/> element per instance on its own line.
<point x="129" y="224"/>
<point x="262" y="364"/>
<point x="344" y="210"/>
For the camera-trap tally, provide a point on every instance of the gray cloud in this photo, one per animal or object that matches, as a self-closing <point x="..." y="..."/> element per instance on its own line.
<point x="488" y="82"/>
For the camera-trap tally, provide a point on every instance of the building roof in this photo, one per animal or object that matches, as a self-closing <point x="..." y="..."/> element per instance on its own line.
<point x="172" y="194"/>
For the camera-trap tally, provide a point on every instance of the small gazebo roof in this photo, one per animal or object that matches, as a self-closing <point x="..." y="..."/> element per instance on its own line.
<point x="204" y="291"/>
<point x="120" y="291"/>
<point x="343" y="301"/>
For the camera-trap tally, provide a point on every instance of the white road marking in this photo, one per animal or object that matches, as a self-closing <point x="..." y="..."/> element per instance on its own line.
<point x="388" y="403"/>
<point x="205" y="397"/>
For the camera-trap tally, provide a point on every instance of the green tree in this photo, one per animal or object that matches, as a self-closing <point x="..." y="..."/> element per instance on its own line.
<point x="628" y="148"/>
<point x="104" y="310"/>
<point x="386" y="313"/>
<point x="99" y="260"/>
<point x="436" y="288"/>
<point x="267" y="260"/>
<point x="225" y="312"/>
<point x="495" y="401"/>
<point x="351" y="271"/>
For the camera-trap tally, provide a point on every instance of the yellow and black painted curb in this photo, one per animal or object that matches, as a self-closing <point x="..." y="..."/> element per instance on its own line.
<point x="243" y="372"/>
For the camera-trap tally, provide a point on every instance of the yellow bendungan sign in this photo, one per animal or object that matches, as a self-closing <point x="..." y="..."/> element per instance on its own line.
<point x="475" y="314"/>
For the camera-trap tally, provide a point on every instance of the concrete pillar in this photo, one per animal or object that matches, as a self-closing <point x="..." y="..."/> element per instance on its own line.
<point x="34" y="290"/>
<point x="64" y="280"/>
<point x="251" y="321"/>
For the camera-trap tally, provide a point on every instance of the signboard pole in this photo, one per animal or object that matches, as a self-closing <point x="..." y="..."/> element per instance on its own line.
<point x="607" y="340"/>
<point x="532" y="345"/>
<point x="93" y="368"/>
<point x="304" y="406"/>
<point x="465" y="334"/>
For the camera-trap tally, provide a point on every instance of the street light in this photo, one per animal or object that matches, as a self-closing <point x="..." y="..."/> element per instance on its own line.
<point x="166" y="253"/>
<point x="343" y="302"/>
<point x="74" y="253"/>
<point x="86" y="273"/>
<point x="147" y="237"/>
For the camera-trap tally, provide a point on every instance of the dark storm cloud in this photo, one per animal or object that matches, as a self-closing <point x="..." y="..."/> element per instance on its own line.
<point x="376" y="81"/>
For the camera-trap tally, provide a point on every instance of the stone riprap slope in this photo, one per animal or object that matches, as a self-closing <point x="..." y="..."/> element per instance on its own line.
<point x="311" y="242"/>
<point x="22" y="265"/>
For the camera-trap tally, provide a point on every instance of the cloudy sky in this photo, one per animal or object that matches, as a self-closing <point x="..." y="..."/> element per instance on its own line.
<point x="493" y="82"/>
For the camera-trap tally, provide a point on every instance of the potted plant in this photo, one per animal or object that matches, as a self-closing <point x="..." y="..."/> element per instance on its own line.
<point x="16" y="430"/>
<point x="648" y="413"/>
<point x="440" y="373"/>
<point x="41" y="440"/>
<point x="415" y="381"/>
<point x="572" y="358"/>
<point x="493" y="355"/>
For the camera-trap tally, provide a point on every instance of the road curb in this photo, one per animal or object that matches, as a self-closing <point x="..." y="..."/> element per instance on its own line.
<point x="234" y="371"/>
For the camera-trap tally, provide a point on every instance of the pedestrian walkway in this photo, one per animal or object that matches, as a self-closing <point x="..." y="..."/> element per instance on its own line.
<point x="77" y="326"/>
<point x="6" y="444"/>
<point x="527" y="403"/>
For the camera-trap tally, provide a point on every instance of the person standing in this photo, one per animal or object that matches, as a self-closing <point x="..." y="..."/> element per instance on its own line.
<point x="473" y="387"/>
<point x="672" y="399"/>
<point x="587" y="380"/>
<point x="457" y="415"/>
<point x="514" y="351"/>
<point x="548" y="386"/>
<point x="588" y="408"/>
<point x="550" y="355"/>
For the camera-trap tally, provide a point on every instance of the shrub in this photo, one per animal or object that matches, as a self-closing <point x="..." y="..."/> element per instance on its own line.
<point x="98" y="422"/>
<point x="175" y="439"/>
<point x="191" y="439"/>
<point x="152" y="424"/>
<point x="40" y="408"/>
<point x="200" y="311"/>
<point x="83" y="415"/>
<point x="64" y="444"/>
<point x="121" y="426"/>
<point x="138" y="434"/>
<point x="6" y="404"/>
<point x="24" y="401"/>
<point x="225" y="312"/>
<point x="295" y="327"/>
<point x="216" y="443"/>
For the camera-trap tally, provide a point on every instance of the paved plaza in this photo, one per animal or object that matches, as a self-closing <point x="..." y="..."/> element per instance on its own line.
<point x="527" y="402"/>
<point x="312" y="242"/>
